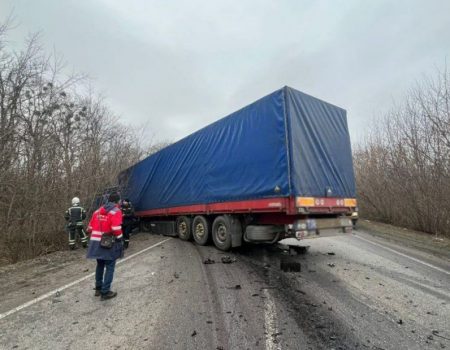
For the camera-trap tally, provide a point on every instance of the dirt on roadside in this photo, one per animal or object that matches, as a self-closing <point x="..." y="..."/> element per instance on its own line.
<point x="429" y="243"/>
<point x="29" y="279"/>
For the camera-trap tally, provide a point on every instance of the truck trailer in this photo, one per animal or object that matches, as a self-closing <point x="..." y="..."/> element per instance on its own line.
<point x="279" y="167"/>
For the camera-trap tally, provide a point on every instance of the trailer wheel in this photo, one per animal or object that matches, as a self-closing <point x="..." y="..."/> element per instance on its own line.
<point x="201" y="230"/>
<point x="221" y="232"/>
<point x="184" y="228"/>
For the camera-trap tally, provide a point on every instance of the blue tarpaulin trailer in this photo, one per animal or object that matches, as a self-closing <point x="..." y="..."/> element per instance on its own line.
<point x="285" y="158"/>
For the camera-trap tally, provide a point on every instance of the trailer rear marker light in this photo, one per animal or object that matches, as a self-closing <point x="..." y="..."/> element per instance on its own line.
<point x="305" y="202"/>
<point x="349" y="202"/>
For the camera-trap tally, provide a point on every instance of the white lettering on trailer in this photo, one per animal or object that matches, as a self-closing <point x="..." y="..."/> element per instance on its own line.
<point x="274" y="205"/>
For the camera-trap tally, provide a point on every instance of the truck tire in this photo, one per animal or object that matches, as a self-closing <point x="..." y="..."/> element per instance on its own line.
<point x="221" y="232"/>
<point x="262" y="233"/>
<point x="201" y="230"/>
<point x="183" y="227"/>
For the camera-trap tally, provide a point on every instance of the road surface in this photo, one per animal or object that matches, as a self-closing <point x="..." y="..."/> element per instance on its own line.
<point x="353" y="292"/>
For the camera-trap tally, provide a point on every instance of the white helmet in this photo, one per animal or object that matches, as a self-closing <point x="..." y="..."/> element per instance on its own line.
<point x="75" y="201"/>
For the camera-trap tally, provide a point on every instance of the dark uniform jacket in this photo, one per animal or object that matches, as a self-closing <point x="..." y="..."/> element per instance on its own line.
<point x="75" y="215"/>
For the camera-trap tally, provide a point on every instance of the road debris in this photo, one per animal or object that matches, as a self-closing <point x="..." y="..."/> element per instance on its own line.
<point x="237" y="286"/>
<point x="331" y="253"/>
<point x="436" y="333"/>
<point x="208" y="261"/>
<point x="331" y="265"/>
<point x="400" y="321"/>
<point x="228" y="260"/>
<point x="194" y="333"/>
<point x="176" y="275"/>
<point x="290" y="266"/>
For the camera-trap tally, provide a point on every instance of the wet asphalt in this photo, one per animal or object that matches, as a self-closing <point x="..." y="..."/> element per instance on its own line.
<point x="353" y="292"/>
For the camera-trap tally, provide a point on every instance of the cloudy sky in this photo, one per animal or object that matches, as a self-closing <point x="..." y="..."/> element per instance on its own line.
<point x="177" y="66"/>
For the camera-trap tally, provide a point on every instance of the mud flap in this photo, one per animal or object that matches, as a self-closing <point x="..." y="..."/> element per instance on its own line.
<point x="236" y="232"/>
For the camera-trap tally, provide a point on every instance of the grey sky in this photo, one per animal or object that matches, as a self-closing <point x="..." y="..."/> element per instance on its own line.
<point x="177" y="66"/>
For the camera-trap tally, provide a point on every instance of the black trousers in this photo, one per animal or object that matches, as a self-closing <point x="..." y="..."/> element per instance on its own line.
<point x="126" y="229"/>
<point x="73" y="230"/>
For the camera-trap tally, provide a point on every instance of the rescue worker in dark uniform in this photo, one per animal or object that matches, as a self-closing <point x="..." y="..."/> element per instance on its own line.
<point x="74" y="217"/>
<point x="127" y="222"/>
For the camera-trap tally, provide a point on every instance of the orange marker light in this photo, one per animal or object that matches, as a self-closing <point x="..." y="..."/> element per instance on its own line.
<point x="350" y="202"/>
<point x="305" y="201"/>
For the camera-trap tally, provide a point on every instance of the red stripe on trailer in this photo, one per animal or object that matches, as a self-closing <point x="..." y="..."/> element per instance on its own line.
<point x="279" y="204"/>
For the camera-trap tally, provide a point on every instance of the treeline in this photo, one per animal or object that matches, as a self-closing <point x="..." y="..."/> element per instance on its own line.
<point x="57" y="140"/>
<point x="403" y="170"/>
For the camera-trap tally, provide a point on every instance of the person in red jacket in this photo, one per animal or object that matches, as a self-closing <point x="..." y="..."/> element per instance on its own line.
<point x="106" y="219"/>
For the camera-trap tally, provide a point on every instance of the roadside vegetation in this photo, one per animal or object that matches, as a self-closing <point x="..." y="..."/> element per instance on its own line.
<point x="403" y="168"/>
<point x="58" y="140"/>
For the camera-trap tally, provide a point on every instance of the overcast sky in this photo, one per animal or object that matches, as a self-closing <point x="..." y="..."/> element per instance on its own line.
<point x="177" y="66"/>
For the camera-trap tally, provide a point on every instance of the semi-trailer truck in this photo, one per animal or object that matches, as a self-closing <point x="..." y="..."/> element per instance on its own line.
<point x="279" y="167"/>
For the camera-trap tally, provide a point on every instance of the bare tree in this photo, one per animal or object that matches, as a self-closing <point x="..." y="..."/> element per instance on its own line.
<point x="403" y="171"/>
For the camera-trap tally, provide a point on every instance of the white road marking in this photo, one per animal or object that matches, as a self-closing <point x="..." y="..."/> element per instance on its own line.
<point x="270" y="319"/>
<point x="53" y="292"/>
<point x="270" y="323"/>
<point x="406" y="256"/>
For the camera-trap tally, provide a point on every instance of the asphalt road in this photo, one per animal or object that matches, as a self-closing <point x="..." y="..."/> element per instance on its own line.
<point x="354" y="292"/>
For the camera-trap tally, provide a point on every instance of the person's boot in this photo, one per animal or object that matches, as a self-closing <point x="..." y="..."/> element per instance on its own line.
<point x="97" y="292"/>
<point x="109" y="295"/>
<point x="125" y="244"/>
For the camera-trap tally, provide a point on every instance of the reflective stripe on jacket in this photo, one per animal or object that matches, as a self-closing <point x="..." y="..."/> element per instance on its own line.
<point x="106" y="219"/>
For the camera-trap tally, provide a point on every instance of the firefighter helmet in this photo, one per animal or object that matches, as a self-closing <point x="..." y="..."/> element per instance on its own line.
<point x="75" y="201"/>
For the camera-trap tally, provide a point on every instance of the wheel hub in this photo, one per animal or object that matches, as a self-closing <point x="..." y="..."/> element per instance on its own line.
<point x="222" y="233"/>
<point x="182" y="228"/>
<point x="199" y="230"/>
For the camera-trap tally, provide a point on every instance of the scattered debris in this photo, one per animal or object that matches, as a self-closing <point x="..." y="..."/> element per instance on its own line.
<point x="333" y="337"/>
<point x="331" y="265"/>
<point x="176" y="275"/>
<point x="86" y="270"/>
<point x="290" y="266"/>
<point x="367" y="278"/>
<point x="209" y="322"/>
<point x="75" y="322"/>
<point x="255" y="295"/>
<point x="300" y="291"/>
<point x="237" y="286"/>
<point x="228" y="260"/>
<point x="170" y="282"/>
<point x="431" y="313"/>
<point x="208" y="261"/>
<point x="436" y="333"/>
<point x="194" y="333"/>
<point x="266" y="266"/>
<point x="400" y="321"/>
<point x="331" y="253"/>
<point x="58" y="294"/>
<point x="219" y="348"/>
